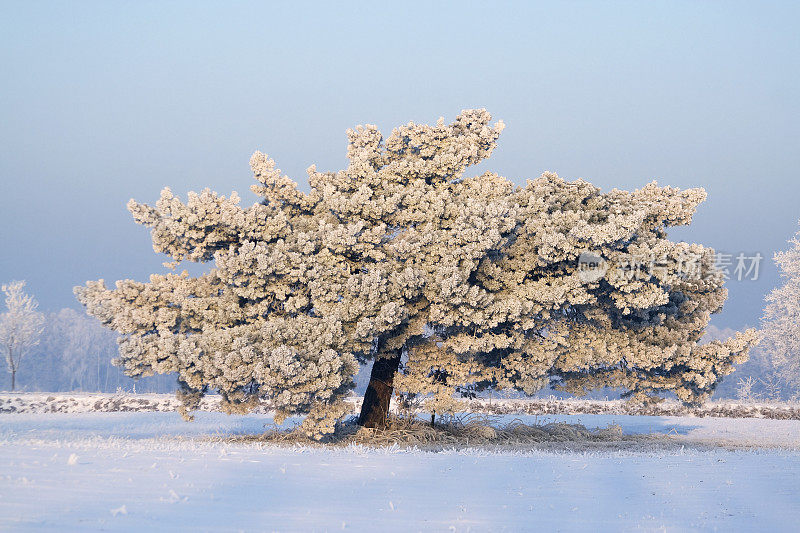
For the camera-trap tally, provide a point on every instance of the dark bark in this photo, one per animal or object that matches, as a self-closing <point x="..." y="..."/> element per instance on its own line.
<point x="13" y="379"/>
<point x="375" y="407"/>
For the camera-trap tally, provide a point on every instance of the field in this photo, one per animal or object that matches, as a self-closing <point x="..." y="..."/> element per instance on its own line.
<point x="150" y="470"/>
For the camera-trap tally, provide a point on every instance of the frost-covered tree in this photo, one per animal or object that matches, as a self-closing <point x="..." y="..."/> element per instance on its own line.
<point x="75" y="352"/>
<point x="752" y="378"/>
<point x="781" y="323"/>
<point x="471" y="282"/>
<point x="81" y="348"/>
<point x="20" y="326"/>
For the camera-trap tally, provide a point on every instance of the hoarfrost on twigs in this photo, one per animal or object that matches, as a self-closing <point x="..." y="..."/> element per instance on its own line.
<point x="781" y="323"/>
<point x="471" y="281"/>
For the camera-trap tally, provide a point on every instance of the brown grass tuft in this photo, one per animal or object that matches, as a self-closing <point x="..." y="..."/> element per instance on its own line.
<point x="468" y="430"/>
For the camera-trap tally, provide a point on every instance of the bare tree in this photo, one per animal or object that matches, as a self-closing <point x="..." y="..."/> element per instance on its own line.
<point x="781" y="323"/>
<point x="20" y="326"/>
<point x="87" y="347"/>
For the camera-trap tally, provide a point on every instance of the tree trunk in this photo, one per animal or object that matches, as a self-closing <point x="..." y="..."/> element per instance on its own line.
<point x="375" y="407"/>
<point x="13" y="379"/>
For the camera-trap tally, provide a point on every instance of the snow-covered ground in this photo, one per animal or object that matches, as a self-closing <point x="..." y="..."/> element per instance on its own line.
<point x="84" y="402"/>
<point x="152" y="471"/>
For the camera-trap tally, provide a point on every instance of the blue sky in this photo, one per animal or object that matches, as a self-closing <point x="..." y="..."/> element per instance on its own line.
<point x="101" y="102"/>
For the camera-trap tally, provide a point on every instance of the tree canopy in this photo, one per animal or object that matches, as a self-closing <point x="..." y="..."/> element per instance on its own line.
<point x="451" y="283"/>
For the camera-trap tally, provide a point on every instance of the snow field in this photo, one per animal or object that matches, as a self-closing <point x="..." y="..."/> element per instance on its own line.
<point x="152" y="471"/>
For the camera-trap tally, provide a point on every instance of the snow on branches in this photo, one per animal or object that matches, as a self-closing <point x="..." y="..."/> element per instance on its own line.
<point x="781" y="323"/>
<point x="21" y="326"/>
<point x="462" y="283"/>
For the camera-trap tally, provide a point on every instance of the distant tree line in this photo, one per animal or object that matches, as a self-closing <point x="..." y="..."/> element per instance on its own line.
<point x="74" y="353"/>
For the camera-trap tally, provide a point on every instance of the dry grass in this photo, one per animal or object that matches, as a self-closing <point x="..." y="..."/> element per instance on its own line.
<point x="465" y="431"/>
